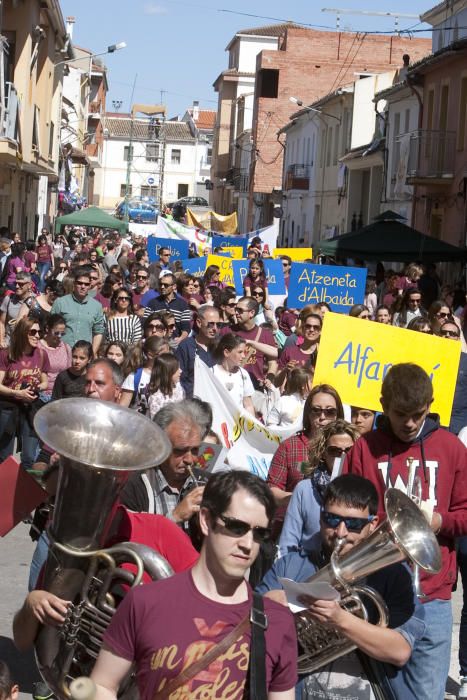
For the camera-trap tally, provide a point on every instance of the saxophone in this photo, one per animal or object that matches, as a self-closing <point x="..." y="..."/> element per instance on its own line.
<point x="100" y="444"/>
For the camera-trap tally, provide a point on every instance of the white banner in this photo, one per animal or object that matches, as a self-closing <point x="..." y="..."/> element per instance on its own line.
<point x="250" y="444"/>
<point x="167" y="228"/>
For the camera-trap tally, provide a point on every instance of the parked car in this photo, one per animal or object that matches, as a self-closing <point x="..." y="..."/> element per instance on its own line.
<point x="190" y="202"/>
<point x="139" y="211"/>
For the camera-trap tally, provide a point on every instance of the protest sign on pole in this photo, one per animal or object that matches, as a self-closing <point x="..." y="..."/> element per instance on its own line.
<point x="178" y="248"/>
<point x="297" y="254"/>
<point x="225" y="266"/>
<point x="250" y="444"/>
<point x="195" y="266"/>
<point x="340" y="287"/>
<point x="355" y="355"/>
<point x="274" y="276"/>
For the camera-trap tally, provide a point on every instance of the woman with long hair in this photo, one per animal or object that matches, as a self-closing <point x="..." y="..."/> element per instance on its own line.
<point x="39" y="307"/>
<point x="360" y="311"/>
<point x="140" y="366"/>
<point x="116" y="350"/>
<point x="229" y="355"/>
<point x="23" y="375"/>
<point x="302" y="520"/>
<point x="58" y="352"/>
<point x="45" y="260"/>
<point x="211" y="277"/>
<point x="122" y="323"/>
<point x="164" y="386"/>
<point x="185" y="288"/>
<point x="410" y="307"/>
<point x="112" y="283"/>
<point x="288" y="409"/>
<point x="155" y="324"/>
<point x="304" y="352"/>
<point x="322" y="406"/>
<point x="438" y="314"/>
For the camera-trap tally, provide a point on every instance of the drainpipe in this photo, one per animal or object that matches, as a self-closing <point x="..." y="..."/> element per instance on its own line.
<point x="420" y="122"/>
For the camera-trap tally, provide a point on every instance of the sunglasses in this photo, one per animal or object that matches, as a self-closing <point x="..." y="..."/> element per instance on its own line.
<point x="442" y="314"/>
<point x="334" y="451"/>
<point x="83" y="284"/>
<point x="311" y="327"/>
<point x="166" y="284"/>
<point x="258" y="294"/>
<point x="327" y="412"/>
<point x="239" y="310"/>
<point x="232" y="304"/>
<point x="123" y="298"/>
<point x="34" y="332"/>
<point x="156" y="327"/>
<point x="449" y="334"/>
<point x="238" y="528"/>
<point x="141" y="277"/>
<point x="352" y="524"/>
<point x="171" y="325"/>
<point x="58" y="334"/>
<point x="20" y="284"/>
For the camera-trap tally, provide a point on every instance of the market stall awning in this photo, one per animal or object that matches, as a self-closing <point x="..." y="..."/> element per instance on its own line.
<point x="389" y="239"/>
<point x="91" y="216"/>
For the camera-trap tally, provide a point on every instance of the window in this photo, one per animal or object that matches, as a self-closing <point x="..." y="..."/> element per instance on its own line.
<point x="127" y="153"/>
<point x="35" y="129"/>
<point x="148" y="191"/>
<point x="175" y="156"/>
<point x="51" y="140"/>
<point x="462" y="129"/>
<point x="123" y="190"/>
<point x="328" y="146"/>
<point x="182" y="190"/>
<point x="336" y="144"/>
<point x="152" y="152"/>
<point x="268" y="81"/>
<point x="209" y="156"/>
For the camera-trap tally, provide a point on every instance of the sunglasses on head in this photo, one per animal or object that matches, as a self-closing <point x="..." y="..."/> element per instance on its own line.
<point x="238" y="528"/>
<point x="352" y="524"/>
<point x="328" y="412"/>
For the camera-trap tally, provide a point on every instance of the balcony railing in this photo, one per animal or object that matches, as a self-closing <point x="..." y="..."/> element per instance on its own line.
<point x="239" y="178"/>
<point x="431" y="156"/>
<point x="297" y="177"/>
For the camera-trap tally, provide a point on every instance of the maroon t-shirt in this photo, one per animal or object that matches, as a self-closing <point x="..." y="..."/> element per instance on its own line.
<point x="256" y="364"/>
<point x="293" y="352"/>
<point x="249" y="283"/>
<point x="44" y="253"/>
<point x="166" y="626"/>
<point x="26" y="370"/>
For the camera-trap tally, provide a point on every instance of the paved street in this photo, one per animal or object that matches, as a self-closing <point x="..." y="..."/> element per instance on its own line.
<point x="15" y="554"/>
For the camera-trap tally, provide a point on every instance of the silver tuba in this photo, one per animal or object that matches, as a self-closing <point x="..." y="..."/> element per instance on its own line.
<point x="100" y="444"/>
<point x="404" y="534"/>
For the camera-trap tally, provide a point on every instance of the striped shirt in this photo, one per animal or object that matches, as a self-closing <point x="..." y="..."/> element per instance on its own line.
<point x="177" y="306"/>
<point x="127" y="329"/>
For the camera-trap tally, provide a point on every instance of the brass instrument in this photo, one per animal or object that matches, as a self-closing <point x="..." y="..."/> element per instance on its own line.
<point x="100" y="444"/>
<point x="404" y="534"/>
<point x="414" y="491"/>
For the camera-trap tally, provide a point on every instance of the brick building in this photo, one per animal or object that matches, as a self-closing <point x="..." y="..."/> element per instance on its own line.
<point x="302" y="63"/>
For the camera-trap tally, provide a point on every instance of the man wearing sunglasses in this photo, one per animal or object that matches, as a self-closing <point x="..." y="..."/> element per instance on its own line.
<point x="167" y="300"/>
<point x="409" y="444"/>
<point x="12" y="305"/>
<point x="83" y="315"/>
<point x="349" y="515"/>
<point x="205" y="331"/>
<point x="165" y="627"/>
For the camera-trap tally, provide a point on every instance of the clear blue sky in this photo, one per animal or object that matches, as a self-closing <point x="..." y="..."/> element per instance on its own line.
<point x="179" y="47"/>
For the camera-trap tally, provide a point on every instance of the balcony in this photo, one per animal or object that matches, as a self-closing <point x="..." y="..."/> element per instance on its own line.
<point x="297" y="177"/>
<point x="95" y="108"/>
<point x="238" y="178"/>
<point x="431" y="158"/>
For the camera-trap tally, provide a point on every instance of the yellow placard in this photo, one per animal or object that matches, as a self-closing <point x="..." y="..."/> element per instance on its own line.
<point x="225" y="265"/>
<point x="355" y="355"/>
<point x="297" y="254"/>
<point x="235" y="251"/>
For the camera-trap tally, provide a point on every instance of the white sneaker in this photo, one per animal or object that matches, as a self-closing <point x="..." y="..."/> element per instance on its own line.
<point x="463" y="687"/>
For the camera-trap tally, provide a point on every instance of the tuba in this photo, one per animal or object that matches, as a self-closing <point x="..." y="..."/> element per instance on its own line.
<point x="100" y="445"/>
<point x="403" y="535"/>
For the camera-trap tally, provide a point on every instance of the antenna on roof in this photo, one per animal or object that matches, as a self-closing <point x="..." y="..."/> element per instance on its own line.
<point x="396" y="15"/>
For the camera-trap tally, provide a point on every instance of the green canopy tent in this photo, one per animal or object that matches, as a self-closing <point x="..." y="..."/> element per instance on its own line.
<point x="389" y="239"/>
<point x="91" y="216"/>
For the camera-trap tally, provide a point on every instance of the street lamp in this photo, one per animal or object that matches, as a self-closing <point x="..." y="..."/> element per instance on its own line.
<point x="110" y="49"/>
<point x="299" y="103"/>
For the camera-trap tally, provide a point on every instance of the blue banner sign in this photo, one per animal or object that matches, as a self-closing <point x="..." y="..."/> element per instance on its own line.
<point x="340" y="287"/>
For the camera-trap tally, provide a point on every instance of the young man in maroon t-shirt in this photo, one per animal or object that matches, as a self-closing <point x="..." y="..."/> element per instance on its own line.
<point x="167" y="626"/>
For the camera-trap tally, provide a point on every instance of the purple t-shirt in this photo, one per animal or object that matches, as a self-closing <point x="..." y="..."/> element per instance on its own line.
<point x="167" y="625"/>
<point x="293" y="352"/>
<point x="26" y="370"/>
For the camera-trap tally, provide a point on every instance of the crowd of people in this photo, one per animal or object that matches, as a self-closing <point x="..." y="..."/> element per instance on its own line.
<point x="88" y="314"/>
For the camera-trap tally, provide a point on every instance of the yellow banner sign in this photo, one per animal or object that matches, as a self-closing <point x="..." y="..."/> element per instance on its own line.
<point x="225" y="265"/>
<point x="297" y="254"/>
<point x="355" y="355"/>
